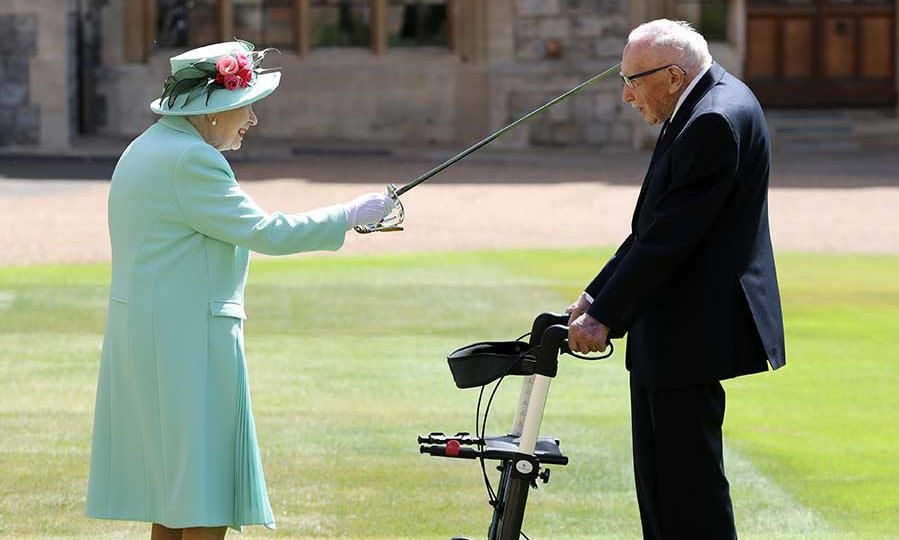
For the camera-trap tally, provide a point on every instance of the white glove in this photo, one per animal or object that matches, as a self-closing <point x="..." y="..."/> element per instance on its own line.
<point x="367" y="209"/>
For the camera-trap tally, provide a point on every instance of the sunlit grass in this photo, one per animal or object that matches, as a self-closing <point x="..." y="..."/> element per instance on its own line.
<point x="347" y="366"/>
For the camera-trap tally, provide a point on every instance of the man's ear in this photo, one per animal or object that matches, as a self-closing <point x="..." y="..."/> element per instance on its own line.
<point x="677" y="81"/>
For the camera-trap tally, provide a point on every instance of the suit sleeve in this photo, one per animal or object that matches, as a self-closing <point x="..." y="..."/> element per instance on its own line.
<point x="704" y="164"/>
<point x="595" y="286"/>
<point x="213" y="204"/>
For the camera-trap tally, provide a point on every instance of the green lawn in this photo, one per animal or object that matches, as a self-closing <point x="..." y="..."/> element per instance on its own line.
<point x="347" y="367"/>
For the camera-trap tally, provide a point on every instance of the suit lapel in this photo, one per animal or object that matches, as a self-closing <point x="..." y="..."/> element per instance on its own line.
<point x="673" y="126"/>
<point x="655" y="154"/>
<point x="660" y="140"/>
<point x="676" y="124"/>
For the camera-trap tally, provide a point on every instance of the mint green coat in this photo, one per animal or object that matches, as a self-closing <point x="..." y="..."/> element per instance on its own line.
<point x="174" y="440"/>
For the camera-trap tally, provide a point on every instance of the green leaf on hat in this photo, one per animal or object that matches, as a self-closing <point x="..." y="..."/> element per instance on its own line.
<point x="210" y="89"/>
<point x="190" y="72"/>
<point x="169" y="82"/>
<point x="181" y="87"/>
<point x="167" y="87"/>
<point x="206" y="66"/>
<point x="196" y="92"/>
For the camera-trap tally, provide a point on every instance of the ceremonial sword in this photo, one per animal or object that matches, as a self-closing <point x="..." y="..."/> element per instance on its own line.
<point x="395" y="218"/>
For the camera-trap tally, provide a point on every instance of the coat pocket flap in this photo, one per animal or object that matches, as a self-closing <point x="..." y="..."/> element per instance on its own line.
<point x="227" y="309"/>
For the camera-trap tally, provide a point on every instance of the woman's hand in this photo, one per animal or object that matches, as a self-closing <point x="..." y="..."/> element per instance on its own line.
<point x="368" y="209"/>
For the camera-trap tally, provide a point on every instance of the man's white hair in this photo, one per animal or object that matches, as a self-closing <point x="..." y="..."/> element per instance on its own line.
<point x="689" y="49"/>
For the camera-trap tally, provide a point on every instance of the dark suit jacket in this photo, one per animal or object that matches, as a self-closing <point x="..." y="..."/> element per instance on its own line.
<point x="694" y="284"/>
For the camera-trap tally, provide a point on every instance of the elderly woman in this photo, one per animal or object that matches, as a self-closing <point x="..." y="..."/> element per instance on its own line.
<point x="174" y="441"/>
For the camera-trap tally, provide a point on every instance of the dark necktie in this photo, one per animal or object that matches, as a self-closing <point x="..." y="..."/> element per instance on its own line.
<point x="658" y="147"/>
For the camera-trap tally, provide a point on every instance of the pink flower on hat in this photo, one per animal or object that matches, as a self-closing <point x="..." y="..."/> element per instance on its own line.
<point x="247" y="75"/>
<point x="232" y="82"/>
<point x="227" y="65"/>
<point x="243" y="61"/>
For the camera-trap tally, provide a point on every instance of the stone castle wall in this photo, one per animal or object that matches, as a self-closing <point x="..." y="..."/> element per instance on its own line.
<point x="558" y="44"/>
<point x="19" y="117"/>
<point x="513" y="56"/>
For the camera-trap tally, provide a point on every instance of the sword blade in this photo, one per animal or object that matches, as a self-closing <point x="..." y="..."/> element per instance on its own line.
<point x="490" y="138"/>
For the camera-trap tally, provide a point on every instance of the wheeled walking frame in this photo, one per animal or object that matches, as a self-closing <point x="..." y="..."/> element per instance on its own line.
<point x="523" y="454"/>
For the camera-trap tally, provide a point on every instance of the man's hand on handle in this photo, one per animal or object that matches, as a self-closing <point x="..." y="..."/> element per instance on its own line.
<point x="587" y="335"/>
<point x="579" y="307"/>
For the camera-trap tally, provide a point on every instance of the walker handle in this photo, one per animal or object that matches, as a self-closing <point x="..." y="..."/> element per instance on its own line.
<point x="553" y="340"/>
<point x="544" y="321"/>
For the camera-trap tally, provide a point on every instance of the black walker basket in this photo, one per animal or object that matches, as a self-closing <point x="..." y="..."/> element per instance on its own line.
<point x="522" y="453"/>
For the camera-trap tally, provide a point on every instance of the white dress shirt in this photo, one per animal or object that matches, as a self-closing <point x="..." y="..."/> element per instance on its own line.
<point x="690" y="87"/>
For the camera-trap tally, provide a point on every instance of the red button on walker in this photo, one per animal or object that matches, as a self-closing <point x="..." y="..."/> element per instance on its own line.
<point x="452" y="447"/>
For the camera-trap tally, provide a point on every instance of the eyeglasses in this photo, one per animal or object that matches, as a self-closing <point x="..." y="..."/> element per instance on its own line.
<point x="628" y="80"/>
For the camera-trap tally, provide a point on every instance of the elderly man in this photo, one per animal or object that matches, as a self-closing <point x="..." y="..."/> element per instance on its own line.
<point x="694" y="284"/>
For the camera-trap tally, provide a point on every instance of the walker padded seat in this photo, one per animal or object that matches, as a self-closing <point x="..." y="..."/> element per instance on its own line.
<point x="482" y="363"/>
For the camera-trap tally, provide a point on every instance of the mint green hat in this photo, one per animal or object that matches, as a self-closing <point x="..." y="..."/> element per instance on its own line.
<point x="204" y="81"/>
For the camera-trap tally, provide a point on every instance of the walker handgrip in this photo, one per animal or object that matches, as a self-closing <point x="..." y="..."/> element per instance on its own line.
<point x="544" y="321"/>
<point x="610" y="347"/>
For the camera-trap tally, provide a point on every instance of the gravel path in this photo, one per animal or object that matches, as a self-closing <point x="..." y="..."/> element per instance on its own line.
<point x="846" y="205"/>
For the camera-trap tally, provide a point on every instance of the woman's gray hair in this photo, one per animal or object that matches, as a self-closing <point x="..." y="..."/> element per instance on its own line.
<point x="689" y="48"/>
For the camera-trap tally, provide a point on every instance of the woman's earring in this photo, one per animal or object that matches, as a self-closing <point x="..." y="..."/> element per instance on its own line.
<point x="214" y="121"/>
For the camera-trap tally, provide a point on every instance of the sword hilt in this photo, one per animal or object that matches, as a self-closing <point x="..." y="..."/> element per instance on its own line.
<point x="391" y="222"/>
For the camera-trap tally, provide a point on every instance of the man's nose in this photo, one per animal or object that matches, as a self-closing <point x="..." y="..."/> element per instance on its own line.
<point x="627" y="95"/>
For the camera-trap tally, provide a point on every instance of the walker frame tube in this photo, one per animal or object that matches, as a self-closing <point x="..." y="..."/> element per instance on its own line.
<point x="518" y="474"/>
<point x="527" y="443"/>
<point x="524" y="397"/>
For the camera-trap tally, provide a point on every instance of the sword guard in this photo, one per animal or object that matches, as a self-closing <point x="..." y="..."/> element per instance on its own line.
<point x="391" y="222"/>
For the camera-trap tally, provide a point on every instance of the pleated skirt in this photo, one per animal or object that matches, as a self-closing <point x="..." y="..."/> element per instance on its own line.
<point x="174" y="439"/>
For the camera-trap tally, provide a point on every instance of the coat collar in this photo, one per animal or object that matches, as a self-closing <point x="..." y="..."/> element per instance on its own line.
<point x="673" y="127"/>
<point x="712" y="77"/>
<point x="179" y="123"/>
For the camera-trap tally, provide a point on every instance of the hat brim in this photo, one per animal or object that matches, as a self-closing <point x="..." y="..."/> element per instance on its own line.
<point x="221" y="99"/>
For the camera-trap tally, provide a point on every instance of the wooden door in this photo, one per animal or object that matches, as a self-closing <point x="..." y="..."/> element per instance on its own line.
<point x="808" y="53"/>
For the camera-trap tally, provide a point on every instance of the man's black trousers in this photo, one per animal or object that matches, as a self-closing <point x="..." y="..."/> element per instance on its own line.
<point x="678" y="464"/>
